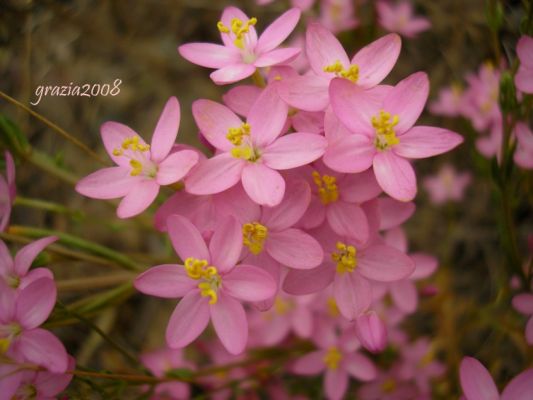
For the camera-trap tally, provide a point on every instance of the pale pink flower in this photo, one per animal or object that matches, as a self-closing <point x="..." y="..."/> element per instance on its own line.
<point x="524" y="77"/>
<point x="400" y="18"/>
<point x="16" y="273"/>
<point x="338" y="359"/>
<point x="242" y="52"/>
<point x="371" y="332"/>
<point x="523" y="303"/>
<point x="328" y="59"/>
<point x="523" y="155"/>
<point x="388" y="386"/>
<point x="449" y="102"/>
<point x="383" y="136"/>
<point x="477" y="384"/>
<point x="141" y="169"/>
<point x="251" y="151"/>
<point x="350" y="267"/>
<point x="210" y="283"/>
<point x="21" y="314"/>
<point x="8" y="191"/>
<point x="338" y="15"/>
<point x="447" y="184"/>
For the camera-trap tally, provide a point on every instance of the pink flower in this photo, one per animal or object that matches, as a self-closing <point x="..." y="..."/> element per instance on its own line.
<point x="242" y="51"/>
<point x="251" y="152"/>
<point x="8" y="191"/>
<point x="209" y="283"/>
<point x="447" y="184"/>
<point x="338" y="15"/>
<point x="477" y="384"/>
<point x="449" y="102"/>
<point x="141" y="169"/>
<point x="399" y="18"/>
<point x="381" y="120"/>
<point x="523" y="155"/>
<point x="21" y="314"/>
<point x="523" y="303"/>
<point x="328" y="60"/>
<point x="524" y="77"/>
<point x="16" y="274"/>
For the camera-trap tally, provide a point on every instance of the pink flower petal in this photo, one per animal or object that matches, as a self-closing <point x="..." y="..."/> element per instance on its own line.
<point x="377" y="59"/>
<point x="426" y="141"/>
<point x="167" y="281"/>
<point x="228" y="15"/>
<point x="43" y="348"/>
<point x="35" y="274"/>
<point x="214" y="120"/>
<point x="209" y="55"/>
<point x="241" y="98"/>
<point x="229" y="321"/>
<point x="214" y="175"/>
<point x="6" y="262"/>
<point x="295" y="249"/>
<point x="278" y="31"/>
<point x="186" y="239"/>
<point x="225" y="245"/>
<point x="476" y="382"/>
<point x="232" y="73"/>
<point x="264" y="185"/>
<point x="277" y="56"/>
<point x="176" y="166"/>
<point x="524" y="50"/>
<point x="138" y="199"/>
<point x="107" y="183"/>
<point x="425" y="265"/>
<point x="524" y="80"/>
<point x="323" y="49"/>
<point x="335" y="383"/>
<point x="350" y="154"/>
<point x="35" y="303"/>
<point x="333" y="127"/>
<point x="358" y="188"/>
<point x="529" y="331"/>
<point x="348" y="219"/>
<point x="353" y="294"/>
<point x="405" y="295"/>
<point x="371" y="332"/>
<point x="395" y="175"/>
<point x="50" y="385"/>
<point x="290" y="210"/>
<point x="249" y="283"/>
<point x="520" y="388"/>
<point x="407" y="100"/>
<point x="200" y="210"/>
<point x="308" y="93"/>
<point x="309" y="364"/>
<point x="385" y="264"/>
<point x="294" y="150"/>
<point x="28" y="253"/>
<point x="188" y="320"/>
<point x="393" y="212"/>
<point x="11" y="380"/>
<point x="113" y="134"/>
<point x="166" y="130"/>
<point x="523" y="303"/>
<point x="360" y="367"/>
<point x="267" y="126"/>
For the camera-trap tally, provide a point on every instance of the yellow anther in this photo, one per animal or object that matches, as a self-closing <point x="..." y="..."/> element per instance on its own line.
<point x="332" y="358"/>
<point x="238" y="28"/>
<point x="346" y="258"/>
<point x="235" y="135"/>
<point x="245" y="152"/>
<point x="352" y="73"/>
<point x="389" y="385"/>
<point x="4" y="345"/>
<point x="118" y="152"/>
<point x="384" y="124"/>
<point x="333" y="310"/>
<point x="253" y="236"/>
<point x="136" y="167"/>
<point x="208" y="274"/>
<point x="282" y="306"/>
<point x="327" y="187"/>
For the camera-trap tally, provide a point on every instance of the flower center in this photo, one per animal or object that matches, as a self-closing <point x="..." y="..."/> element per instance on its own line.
<point x="7" y="334"/>
<point x="282" y="307"/>
<point x="138" y="155"/>
<point x="238" y="28"/>
<point x="26" y="392"/>
<point x="332" y="358"/>
<point x="208" y="276"/>
<point x="240" y="138"/>
<point x="13" y="281"/>
<point x="389" y="385"/>
<point x="384" y="127"/>
<point x="327" y="187"/>
<point x="254" y="235"/>
<point x="333" y="310"/>
<point x="352" y="73"/>
<point x="345" y="257"/>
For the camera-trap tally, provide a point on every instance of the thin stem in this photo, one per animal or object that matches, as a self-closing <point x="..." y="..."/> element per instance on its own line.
<point x="46" y="206"/>
<point x="95" y="282"/>
<point x="44" y="162"/>
<point x="54" y="127"/>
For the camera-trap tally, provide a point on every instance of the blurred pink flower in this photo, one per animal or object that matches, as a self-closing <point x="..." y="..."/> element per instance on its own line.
<point x="447" y="184"/>
<point x="449" y="102"/>
<point x="399" y="18"/>
<point x="477" y="384"/>
<point x="523" y="155"/>
<point x="338" y="15"/>
<point x="382" y="135"/>
<point x="523" y="303"/>
<point x="524" y="76"/>
<point x="8" y="191"/>
<point x="141" y="169"/>
<point x="242" y="52"/>
<point x="209" y="283"/>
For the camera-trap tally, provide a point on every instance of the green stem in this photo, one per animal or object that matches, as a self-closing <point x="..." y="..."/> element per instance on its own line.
<point x="46" y="206"/>
<point x="45" y="163"/>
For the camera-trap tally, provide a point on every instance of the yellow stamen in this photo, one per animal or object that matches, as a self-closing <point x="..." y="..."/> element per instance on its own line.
<point x="235" y="135"/>
<point x="132" y="144"/>
<point x="136" y="167"/>
<point x="352" y="73"/>
<point x="332" y="358"/>
<point x="346" y="258"/>
<point x="327" y="187"/>
<point x="254" y="235"/>
<point x="384" y="125"/>
<point x="389" y="385"/>
<point x="4" y="345"/>
<point x="282" y="306"/>
<point x="333" y="310"/>
<point x="201" y="270"/>
<point x="238" y="28"/>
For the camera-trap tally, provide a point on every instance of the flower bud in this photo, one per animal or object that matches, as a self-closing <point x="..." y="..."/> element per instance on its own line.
<point x="371" y="332"/>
